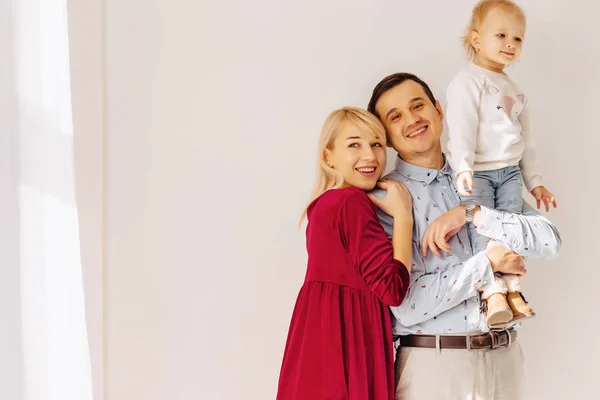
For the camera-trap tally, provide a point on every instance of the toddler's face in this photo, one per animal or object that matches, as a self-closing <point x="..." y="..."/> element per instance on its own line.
<point x="500" y="38"/>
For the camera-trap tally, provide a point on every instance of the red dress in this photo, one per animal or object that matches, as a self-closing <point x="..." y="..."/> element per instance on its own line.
<point x="339" y="345"/>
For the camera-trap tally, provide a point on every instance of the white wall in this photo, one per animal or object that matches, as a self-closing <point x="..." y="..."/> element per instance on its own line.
<point x="11" y="342"/>
<point x="212" y="114"/>
<point x="85" y="25"/>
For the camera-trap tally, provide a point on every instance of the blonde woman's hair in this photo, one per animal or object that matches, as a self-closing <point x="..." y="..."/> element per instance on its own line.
<point x="327" y="178"/>
<point x="480" y="11"/>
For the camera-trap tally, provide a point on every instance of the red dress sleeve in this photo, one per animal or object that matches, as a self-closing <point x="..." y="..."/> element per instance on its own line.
<point x="366" y="242"/>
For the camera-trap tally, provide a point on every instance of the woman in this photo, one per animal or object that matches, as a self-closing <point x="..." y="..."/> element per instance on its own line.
<point x="339" y="344"/>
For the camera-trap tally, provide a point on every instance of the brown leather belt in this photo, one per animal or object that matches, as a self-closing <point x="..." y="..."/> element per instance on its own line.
<point x="490" y="340"/>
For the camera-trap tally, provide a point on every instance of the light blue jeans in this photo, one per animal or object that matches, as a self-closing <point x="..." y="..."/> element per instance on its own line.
<point x="499" y="189"/>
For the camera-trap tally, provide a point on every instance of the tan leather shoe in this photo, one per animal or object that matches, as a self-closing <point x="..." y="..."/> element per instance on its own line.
<point x="499" y="313"/>
<point x="519" y="307"/>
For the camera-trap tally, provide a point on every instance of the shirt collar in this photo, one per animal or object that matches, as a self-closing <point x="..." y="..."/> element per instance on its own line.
<point x="414" y="172"/>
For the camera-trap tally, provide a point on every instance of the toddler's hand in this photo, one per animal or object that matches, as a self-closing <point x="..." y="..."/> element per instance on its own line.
<point x="463" y="178"/>
<point x="542" y="194"/>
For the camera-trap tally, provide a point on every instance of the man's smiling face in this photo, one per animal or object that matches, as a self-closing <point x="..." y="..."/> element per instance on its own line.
<point x="412" y="122"/>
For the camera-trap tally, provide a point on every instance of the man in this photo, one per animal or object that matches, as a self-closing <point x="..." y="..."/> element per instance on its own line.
<point x="446" y="349"/>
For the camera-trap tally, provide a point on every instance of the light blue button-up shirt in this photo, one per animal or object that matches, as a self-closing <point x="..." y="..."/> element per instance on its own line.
<point x="443" y="297"/>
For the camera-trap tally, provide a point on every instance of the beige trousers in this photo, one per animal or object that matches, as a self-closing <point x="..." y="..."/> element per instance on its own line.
<point x="426" y="374"/>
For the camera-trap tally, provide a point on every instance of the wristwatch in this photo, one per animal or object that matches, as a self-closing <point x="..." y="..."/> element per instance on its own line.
<point x="469" y="208"/>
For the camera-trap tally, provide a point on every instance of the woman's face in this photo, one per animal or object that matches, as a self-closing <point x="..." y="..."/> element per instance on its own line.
<point x="359" y="157"/>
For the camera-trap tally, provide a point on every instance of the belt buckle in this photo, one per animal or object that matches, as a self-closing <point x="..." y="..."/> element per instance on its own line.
<point x="495" y="337"/>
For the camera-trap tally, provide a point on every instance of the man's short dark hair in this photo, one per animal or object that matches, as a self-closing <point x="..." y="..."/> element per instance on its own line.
<point x="391" y="82"/>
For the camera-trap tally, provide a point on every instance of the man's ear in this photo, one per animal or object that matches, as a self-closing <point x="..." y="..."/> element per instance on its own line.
<point x="438" y="107"/>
